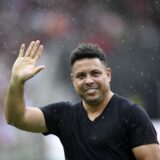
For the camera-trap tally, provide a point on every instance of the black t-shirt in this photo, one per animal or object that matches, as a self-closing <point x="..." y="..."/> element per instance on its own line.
<point x="111" y="136"/>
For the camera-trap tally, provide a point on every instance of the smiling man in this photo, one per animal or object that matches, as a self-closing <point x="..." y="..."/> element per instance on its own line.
<point x="102" y="126"/>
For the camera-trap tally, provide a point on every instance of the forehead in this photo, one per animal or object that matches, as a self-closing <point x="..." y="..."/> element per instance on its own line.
<point x="87" y="64"/>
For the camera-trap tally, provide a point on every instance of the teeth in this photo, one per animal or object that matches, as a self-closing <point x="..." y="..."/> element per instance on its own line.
<point x="91" y="90"/>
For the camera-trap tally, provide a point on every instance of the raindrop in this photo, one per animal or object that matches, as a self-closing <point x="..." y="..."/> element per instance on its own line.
<point x="12" y="6"/>
<point x="122" y="40"/>
<point x="73" y="19"/>
<point x="146" y="85"/>
<point x="146" y="93"/>
<point x="133" y="125"/>
<point x="130" y="48"/>
<point x="158" y="83"/>
<point x="103" y="117"/>
<point x="156" y="2"/>
<point x="135" y="90"/>
<point x="37" y="8"/>
<point x="119" y="145"/>
<point x="61" y="121"/>
<point x="45" y="10"/>
<point x="118" y="67"/>
<point x="131" y="87"/>
<point x="94" y="137"/>
<point x="14" y="52"/>
<point x="133" y="69"/>
<point x="142" y="74"/>
<point x="48" y="4"/>
<point x="141" y="27"/>
<point x="92" y="20"/>
<point x="149" y="47"/>
<point x="103" y="42"/>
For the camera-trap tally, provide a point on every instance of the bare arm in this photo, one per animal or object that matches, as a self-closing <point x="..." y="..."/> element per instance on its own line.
<point x="16" y="113"/>
<point x="147" y="152"/>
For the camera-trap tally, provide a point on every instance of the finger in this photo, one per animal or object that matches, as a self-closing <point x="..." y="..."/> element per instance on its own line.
<point x="39" y="52"/>
<point x="35" y="49"/>
<point x="21" y="51"/>
<point x="38" y="69"/>
<point x="29" y="49"/>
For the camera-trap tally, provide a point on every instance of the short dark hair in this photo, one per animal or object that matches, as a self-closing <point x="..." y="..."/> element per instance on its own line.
<point x="87" y="51"/>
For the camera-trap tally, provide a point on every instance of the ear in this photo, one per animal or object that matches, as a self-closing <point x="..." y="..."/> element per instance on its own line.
<point x="108" y="72"/>
<point x="72" y="78"/>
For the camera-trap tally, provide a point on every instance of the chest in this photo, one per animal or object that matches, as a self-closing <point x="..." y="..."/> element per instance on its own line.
<point x="105" y="130"/>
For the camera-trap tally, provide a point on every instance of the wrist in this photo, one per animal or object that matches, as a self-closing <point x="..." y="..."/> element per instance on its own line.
<point x="15" y="82"/>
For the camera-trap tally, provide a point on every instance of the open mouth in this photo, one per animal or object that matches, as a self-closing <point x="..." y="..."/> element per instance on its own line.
<point x="91" y="90"/>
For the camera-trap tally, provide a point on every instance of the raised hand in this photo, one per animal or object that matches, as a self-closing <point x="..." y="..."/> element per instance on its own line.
<point x="25" y="65"/>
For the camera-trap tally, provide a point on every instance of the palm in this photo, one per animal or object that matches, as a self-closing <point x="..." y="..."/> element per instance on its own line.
<point x="24" y="67"/>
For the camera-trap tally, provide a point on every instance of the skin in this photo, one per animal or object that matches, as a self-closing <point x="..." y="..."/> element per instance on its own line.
<point x="91" y="80"/>
<point x="16" y="113"/>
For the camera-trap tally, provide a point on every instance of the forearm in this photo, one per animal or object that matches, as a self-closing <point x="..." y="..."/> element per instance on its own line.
<point x="14" y="103"/>
<point x="147" y="152"/>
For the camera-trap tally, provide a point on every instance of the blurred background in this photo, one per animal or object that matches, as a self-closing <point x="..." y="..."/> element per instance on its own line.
<point x="128" y="32"/>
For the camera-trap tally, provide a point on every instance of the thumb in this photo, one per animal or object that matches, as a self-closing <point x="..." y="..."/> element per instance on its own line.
<point x="38" y="69"/>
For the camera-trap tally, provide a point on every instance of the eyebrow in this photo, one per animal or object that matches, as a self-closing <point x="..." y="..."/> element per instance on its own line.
<point x="94" y="70"/>
<point x="79" y="73"/>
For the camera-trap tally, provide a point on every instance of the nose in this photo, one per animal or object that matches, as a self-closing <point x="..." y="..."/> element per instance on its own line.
<point x="89" y="79"/>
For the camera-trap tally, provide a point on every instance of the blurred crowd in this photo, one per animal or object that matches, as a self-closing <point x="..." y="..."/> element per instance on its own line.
<point x="128" y="32"/>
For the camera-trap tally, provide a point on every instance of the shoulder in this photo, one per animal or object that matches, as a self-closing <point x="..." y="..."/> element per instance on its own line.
<point x="136" y="121"/>
<point x="130" y="110"/>
<point x="122" y="100"/>
<point x="58" y="106"/>
<point x="127" y="104"/>
<point x="61" y="104"/>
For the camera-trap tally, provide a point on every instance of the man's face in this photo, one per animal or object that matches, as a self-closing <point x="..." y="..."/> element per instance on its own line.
<point x="91" y="80"/>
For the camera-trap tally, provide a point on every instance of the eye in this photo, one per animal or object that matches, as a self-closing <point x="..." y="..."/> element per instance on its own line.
<point x="96" y="73"/>
<point x="80" y="76"/>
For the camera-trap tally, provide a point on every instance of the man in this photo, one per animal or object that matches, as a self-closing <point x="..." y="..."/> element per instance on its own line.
<point x="103" y="126"/>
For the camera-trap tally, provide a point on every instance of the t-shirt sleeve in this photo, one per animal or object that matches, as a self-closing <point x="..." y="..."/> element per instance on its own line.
<point x="53" y="115"/>
<point x="140" y="128"/>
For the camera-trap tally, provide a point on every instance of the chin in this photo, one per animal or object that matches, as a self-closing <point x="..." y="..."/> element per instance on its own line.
<point x="92" y="101"/>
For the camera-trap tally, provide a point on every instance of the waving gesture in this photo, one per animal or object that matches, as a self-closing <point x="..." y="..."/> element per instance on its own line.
<point x="25" y="66"/>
